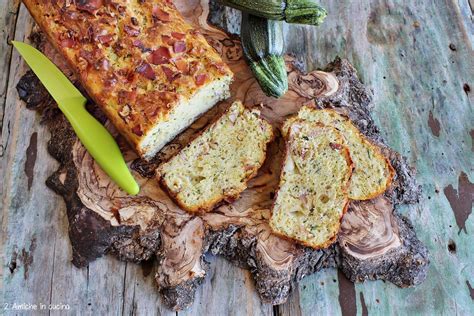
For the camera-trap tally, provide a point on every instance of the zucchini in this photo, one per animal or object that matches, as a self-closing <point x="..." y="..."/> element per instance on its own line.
<point x="290" y="11"/>
<point x="262" y="42"/>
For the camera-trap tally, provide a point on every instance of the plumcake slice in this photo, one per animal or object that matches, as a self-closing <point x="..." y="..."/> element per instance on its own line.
<point x="373" y="172"/>
<point x="312" y="196"/>
<point x="217" y="165"/>
<point x="148" y="70"/>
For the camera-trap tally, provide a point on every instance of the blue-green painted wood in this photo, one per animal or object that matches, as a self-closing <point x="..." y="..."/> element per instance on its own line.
<point x="417" y="58"/>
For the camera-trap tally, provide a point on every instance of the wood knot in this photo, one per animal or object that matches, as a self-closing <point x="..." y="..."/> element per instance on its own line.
<point x="315" y="84"/>
<point x="452" y="246"/>
<point x="12" y="264"/>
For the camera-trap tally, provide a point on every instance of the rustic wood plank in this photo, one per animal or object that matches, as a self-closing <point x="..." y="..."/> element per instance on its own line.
<point x="317" y="295"/>
<point x="35" y="252"/>
<point x="466" y="8"/>
<point x="123" y="288"/>
<point x="402" y="51"/>
<point x="8" y="17"/>
<point x="227" y="290"/>
<point x="51" y="277"/>
<point x="141" y="296"/>
<point x="27" y="217"/>
<point x="408" y="44"/>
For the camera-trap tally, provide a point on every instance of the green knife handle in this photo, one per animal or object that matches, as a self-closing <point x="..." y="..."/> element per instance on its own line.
<point x="91" y="133"/>
<point x="97" y="140"/>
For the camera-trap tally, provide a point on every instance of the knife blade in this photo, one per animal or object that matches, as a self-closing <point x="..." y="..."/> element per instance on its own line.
<point x="93" y="135"/>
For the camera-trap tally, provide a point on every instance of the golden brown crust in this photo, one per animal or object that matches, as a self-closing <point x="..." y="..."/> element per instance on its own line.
<point x="378" y="152"/>
<point x="349" y="162"/>
<point x="226" y="196"/>
<point x="204" y="208"/>
<point x="136" y="60"/>
<point x="375" y="147"/>
<point x="174" y="197"/>
<point x="324" y="245"/>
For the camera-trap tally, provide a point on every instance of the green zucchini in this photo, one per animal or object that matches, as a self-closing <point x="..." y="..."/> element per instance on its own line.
<point x="262" y="42"/>
<point x="290" y="11"/>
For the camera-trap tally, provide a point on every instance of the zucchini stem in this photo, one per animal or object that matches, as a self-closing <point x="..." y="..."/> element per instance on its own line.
<point x="304" y="12"/>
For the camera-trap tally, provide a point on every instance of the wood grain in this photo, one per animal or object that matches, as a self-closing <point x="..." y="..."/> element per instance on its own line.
<point x="402" y="52"/>
<point x="8" y="19"/>
<point x="422" y="74"/>
<point x="373" y="244"/>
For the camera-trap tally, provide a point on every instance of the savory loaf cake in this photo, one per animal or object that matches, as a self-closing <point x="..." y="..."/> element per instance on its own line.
<point x="217" y="164"/>
<point x="312" y="196"/>
<point x="373" y="172"/>
<point x="148" y="70"/>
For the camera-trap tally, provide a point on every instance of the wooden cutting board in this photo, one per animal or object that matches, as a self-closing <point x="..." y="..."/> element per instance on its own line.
<point x="375" y="241"/>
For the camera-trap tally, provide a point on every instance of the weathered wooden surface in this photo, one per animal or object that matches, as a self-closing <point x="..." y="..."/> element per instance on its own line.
<point x="374" y="243"/>
<point x="408" y="44"/>
<point x="8" y="18"/>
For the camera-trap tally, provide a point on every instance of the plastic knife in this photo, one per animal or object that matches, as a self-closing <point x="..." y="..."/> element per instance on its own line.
<point x="94" y="136"/>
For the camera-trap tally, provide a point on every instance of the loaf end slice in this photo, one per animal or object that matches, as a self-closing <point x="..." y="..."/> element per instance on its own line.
<point x="146" y="68"/>
<point x="217" y="165"/>
<point x="183" y="113"/>
<point x="373" y="172"/>
<point x="312" y="197"/>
